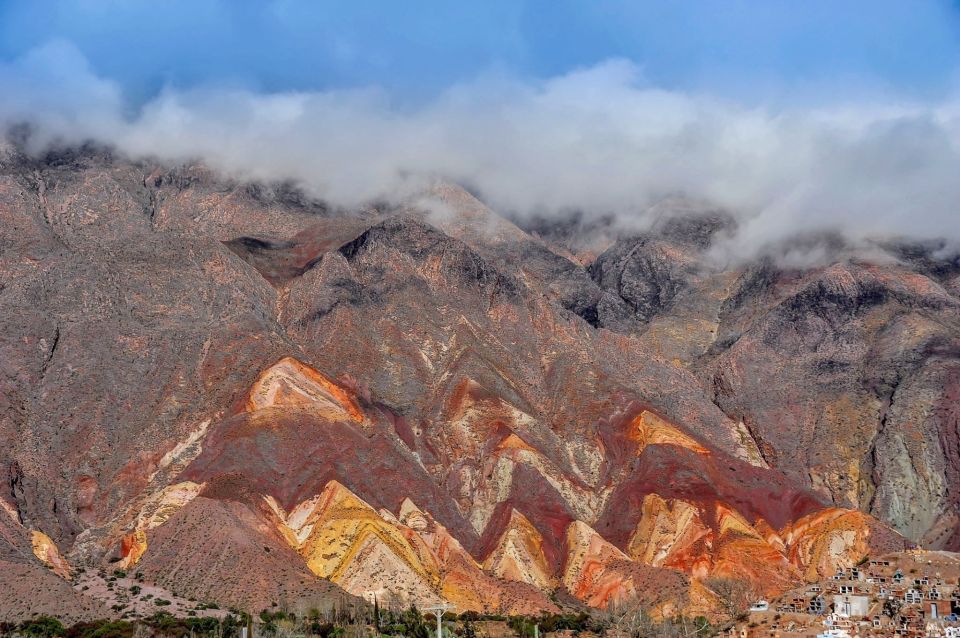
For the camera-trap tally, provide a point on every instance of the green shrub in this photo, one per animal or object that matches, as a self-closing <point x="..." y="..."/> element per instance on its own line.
<point x="42" y="626"/>
<point x="102" y="629"/>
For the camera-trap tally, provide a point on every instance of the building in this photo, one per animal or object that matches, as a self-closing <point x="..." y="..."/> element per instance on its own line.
<point x="851" y="605"/>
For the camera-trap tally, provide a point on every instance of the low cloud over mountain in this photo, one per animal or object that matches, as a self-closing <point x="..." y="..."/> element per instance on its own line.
<point x="600" y="140"/>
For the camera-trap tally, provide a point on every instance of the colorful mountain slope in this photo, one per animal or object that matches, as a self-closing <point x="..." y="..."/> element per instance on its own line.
<point x="196" y="367"/>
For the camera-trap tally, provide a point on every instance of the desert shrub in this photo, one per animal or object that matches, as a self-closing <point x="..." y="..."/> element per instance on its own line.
<point x="101" y="629"/>
<point x="42" y="627"/>
<point x="165" y="624"/>
<point x="522" y="626"/>
<point x="203" y="625"/>
<point x="324" y="630"/>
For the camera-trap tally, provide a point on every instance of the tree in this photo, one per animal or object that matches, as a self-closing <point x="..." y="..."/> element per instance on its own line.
<point x="629" y="620"/>
<point x="734" y="596"/>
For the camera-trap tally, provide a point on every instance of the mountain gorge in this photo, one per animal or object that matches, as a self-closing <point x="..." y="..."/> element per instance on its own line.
<point x="253" y="397"/>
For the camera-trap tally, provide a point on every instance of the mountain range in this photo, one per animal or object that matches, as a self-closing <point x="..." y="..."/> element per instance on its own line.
<point x="249" y="396"/>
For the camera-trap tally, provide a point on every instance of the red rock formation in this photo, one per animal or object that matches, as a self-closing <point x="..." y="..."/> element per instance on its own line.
<point x="602" y="576"/>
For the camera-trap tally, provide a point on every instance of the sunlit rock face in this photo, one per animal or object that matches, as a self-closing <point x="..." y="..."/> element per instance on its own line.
<point x="717" y="542"/>
<point x="602" y="576"/>
<point x="290" y="384"/>
<point x="48" y="554"/>
<point x="590" y="572"/>
<point x="649" y="429"/>
<point x="825" y="541"/>
<point x="519" y="554"/>
<point x="346" y="541"/>
<point x="387" y="402"/>
<point x="672" y="533"/>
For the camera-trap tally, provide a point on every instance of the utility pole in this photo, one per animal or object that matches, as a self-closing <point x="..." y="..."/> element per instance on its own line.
<point x="438" y="611"/>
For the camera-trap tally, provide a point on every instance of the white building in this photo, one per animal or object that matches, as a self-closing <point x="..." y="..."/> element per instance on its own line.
<point x="851" y="605"/>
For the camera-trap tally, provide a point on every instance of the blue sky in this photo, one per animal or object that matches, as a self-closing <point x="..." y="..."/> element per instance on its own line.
<point x="762" y="49"/>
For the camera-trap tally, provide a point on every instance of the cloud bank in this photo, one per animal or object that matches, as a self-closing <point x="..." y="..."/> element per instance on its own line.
<point x="599" y="140"/>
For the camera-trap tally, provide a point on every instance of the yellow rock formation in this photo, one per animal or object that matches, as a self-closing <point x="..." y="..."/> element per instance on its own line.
<point x="741" y="551"/>
<point x="514" y="442"/>
<point x="519" y="554"/>
<point x="343" y="538"/>
<point x="462" y="581"/>
<point x="770" y="535"/>
<point x="671" y="533"/>
<point x="48" y="553"/>
<point x="649" y="429"/>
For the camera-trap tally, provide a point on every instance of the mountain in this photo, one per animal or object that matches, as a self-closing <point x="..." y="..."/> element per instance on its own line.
<point x="253" y="398"/>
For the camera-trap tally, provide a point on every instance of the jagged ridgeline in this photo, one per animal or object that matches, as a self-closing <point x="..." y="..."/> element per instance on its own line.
<point x="248" y="397"/>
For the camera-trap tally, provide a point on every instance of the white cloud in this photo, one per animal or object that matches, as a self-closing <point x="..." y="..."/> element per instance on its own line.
<point x="598" y="140"/>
